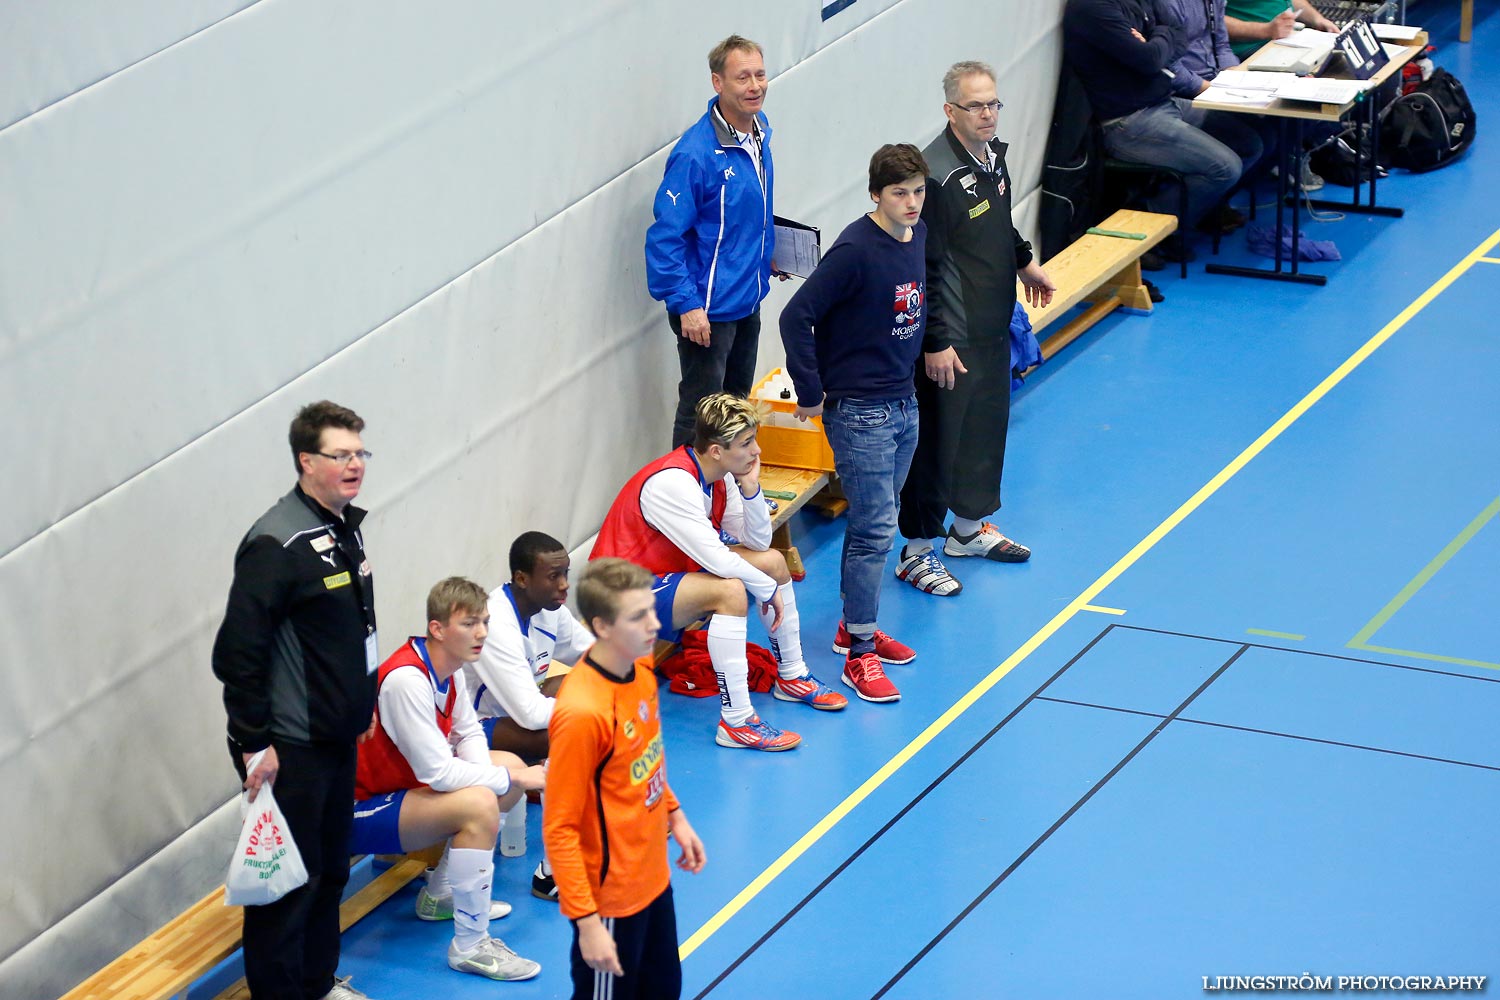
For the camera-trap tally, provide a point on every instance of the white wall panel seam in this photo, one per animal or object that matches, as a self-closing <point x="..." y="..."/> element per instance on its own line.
<point x="126" y="68"/>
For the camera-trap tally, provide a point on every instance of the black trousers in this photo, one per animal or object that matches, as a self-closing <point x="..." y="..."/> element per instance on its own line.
<point x="727" y="364"/>
<point x="647" y="944"/>
<point x="292" y="945"/>
<point x="961" y="443"/>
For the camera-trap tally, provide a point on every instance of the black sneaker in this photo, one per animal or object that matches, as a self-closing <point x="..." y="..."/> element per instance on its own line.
<point x="544" y="887"/>
<point x="1153" y="291"/>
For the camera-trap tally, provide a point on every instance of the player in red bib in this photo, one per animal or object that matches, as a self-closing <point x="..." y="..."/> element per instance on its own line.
<point x="427" y="776"/>
<point x="672" y="517"/>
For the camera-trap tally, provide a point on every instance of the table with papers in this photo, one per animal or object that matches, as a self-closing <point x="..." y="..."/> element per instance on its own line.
<point x="1292" y="100"/>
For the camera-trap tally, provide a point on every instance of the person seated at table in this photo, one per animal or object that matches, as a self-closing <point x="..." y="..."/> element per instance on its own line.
<point x="1207" y="54"/>
<point x="1253" y="23"/>
<point x="1122" y="52"/>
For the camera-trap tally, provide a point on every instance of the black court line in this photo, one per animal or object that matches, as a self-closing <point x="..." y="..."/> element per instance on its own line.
<point x="964" y="913"/>
<point x="1314" y="652"/>
<point x="870" y="842"/>
<point x="1285" y="736"/>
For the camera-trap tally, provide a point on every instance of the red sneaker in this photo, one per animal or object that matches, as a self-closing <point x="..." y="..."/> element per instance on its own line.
<point x="888" y="649"/>
<point x="867" y="677"/>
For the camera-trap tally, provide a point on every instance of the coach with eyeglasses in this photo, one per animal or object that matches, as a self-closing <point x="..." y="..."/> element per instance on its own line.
<point x="974" y="256"/>
<point x="297" y="656"/>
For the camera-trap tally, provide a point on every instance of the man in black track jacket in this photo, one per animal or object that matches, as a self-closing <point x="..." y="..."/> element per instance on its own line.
<point x="297" y="654"/>
<point x="974" y="256"/>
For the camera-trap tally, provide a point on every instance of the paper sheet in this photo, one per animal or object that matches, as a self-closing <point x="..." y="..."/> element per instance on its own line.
<point x="797" y="250"/>
<point x="1396" y="32"/>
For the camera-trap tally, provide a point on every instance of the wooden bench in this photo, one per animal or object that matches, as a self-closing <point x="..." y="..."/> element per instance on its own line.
<point x="186" y="949"/>
<point x="1102" y="271"/>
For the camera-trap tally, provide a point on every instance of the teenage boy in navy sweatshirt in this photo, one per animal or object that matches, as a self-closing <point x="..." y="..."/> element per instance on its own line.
<point x="852" y="335"/>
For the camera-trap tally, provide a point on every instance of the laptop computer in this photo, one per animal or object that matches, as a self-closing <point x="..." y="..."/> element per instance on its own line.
<point x="1285" y="59"/>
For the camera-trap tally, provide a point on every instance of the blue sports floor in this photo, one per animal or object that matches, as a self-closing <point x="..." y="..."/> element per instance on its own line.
<point x="1237" y="717"/>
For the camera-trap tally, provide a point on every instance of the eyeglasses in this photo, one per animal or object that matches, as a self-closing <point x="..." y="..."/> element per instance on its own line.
<point x="343" y="458"/>
<point x="993" y="107"/>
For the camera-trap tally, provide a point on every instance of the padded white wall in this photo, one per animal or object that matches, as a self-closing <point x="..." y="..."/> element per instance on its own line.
<point x="214" y="211"/>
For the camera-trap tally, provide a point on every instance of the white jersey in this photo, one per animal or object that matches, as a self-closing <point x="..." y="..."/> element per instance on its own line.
<point x="407" y="700"/>
<point x="506" y="681"/>
<point x="674" y="502"/>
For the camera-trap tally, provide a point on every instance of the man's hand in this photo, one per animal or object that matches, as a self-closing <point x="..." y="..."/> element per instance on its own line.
<point x="1281" y="25"/>
<point x="749" y="483"/>
<point x="1315" y="20"/>
<point x="944" y="368"/>
<point x="597" y="947"/>
<point x="369" y="732"/>
<point x="1039" y="287"/>
<point x="692" y="858"/>
<point x="778" y="273"/>
<point x="531" y="779"/>
<point x="264" y="773"/>
<point x="806" y="413"/>
<point x="695" y="326"/>
<point x="774" y="604"/>
<point x="1138" y="36"/>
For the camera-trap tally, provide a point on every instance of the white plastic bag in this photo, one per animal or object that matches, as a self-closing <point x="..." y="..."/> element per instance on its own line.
<point x="266" y="863"/>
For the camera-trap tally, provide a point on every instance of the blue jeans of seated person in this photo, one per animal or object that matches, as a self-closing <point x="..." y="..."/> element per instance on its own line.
<point x="1252" y="137"/>
<point x="1158" y="135"/>
<point x="872" y="441"/>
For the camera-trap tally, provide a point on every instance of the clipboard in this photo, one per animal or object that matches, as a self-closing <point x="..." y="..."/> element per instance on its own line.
<point x="798" y="246"/>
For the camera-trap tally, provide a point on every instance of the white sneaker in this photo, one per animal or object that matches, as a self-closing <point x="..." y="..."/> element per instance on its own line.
<point x="493" y="960"/>
<point x="430" y="907"/>
<point x="987" y="543"/>
<point x="926" y="572"/>
<point x="343" y="991"/>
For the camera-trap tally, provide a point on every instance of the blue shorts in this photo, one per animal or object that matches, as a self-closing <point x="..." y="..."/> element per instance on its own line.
<point x="377" y="825"/>
<point x="488" y="725"/>
<point x="664" y="589"/>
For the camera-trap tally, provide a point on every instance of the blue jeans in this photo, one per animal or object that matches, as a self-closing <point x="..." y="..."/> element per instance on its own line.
<point x="1158" y="135"/>
<point x="872" y="441"/>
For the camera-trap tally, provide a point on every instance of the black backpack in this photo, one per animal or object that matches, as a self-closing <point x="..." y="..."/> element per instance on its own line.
<point x="1428" y="128"/>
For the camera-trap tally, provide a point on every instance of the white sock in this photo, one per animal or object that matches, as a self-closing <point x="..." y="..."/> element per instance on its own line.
<point x="965" y="527"/>
<point x="471" y="868"/>
<point x="543" y="867"/>
<point x="726" y="651"/>
<point x="916" y="547"/>
<point x="786" y="642"/>
<point x="437" y="878"/>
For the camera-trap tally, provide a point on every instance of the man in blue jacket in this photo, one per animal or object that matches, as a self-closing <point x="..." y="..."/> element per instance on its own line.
<point x="708" y="254"/>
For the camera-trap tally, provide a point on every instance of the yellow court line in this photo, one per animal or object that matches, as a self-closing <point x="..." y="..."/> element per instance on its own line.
<point x="1273" y="635"/>
<point x="1077" y="604"/>
<point x="1417" y="655"/>
<point x="1364" y="635"/>
<point x="1490" y="260"/>
<point x="1099" y="609"/>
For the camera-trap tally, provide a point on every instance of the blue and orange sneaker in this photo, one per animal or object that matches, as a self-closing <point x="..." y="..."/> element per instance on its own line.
<point x="810" y="691"/>
<point x="755" y="735"/>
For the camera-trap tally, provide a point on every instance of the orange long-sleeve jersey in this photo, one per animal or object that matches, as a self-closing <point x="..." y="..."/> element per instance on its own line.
<point x="605" y="815"/>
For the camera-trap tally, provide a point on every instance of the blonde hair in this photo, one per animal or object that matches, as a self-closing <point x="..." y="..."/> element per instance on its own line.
<point x="602" y="582"/>
<point x="719" y="54"/>
<point x="455" y="594"/>
<point x="720" y="418"/>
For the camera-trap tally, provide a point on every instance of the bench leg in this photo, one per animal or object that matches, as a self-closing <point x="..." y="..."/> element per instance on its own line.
<point x="1130" y="288"/>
